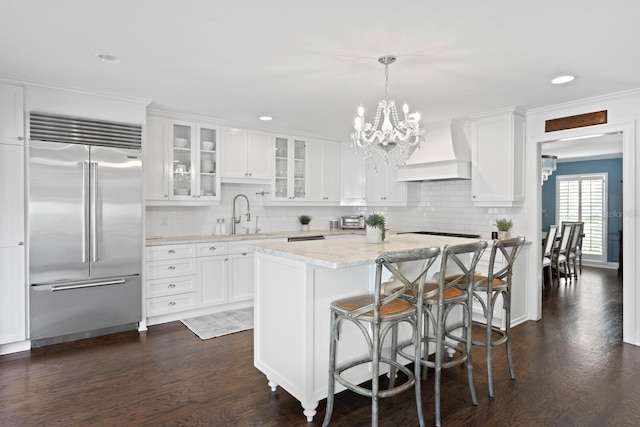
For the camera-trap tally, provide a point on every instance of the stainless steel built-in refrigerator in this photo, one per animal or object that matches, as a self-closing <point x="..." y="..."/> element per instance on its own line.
<point x="85" y="226"/>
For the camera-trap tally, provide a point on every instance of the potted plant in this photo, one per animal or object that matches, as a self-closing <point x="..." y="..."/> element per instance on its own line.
<point x="304" y="222"/>
<point x="504" y="225"/>
<point x="375" y="228"/>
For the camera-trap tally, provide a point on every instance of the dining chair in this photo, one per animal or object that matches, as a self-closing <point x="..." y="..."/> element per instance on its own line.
<point x="488" y="290"/>
<point x="547" y="251"/>
<point x="375" y="315"/>
<point x="560" y="254"/>
<point x="575" y="249"/>
<point x="449" y="338"/>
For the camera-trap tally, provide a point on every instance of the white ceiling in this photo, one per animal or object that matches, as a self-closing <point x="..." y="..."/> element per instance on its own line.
<point x="310" y="64"/>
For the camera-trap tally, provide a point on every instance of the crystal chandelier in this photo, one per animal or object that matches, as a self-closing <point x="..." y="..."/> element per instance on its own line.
<point x="547" y="164"/>
<point x="392" y="139"/>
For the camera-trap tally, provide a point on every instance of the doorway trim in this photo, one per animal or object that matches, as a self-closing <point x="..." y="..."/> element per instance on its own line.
<point x="630" y="303"/>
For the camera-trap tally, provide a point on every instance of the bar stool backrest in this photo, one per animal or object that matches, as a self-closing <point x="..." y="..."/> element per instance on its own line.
<point x="510" y="249"/>
<point x="410" y="288"/>
<point x="459" y="256"/>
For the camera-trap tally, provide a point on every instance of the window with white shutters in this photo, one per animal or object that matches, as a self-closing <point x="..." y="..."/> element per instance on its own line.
<point x="584" y="198"/>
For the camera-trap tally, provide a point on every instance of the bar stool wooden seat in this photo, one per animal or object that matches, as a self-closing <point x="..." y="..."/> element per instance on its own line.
<point x="375" y="315"/>
<point x="487" y="290"/>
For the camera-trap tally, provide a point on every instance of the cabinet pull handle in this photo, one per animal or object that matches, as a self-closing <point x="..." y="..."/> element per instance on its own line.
<point x="212" y="248"/>
<point x="172" y="267"/>
<point x="244" y="254"/>
<point x="172" y="303"/>
<point x="171" y="252"/>
<point x="172" y="285"/>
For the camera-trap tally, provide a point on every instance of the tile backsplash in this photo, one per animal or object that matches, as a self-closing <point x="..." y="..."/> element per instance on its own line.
<point x="443" y="206"/>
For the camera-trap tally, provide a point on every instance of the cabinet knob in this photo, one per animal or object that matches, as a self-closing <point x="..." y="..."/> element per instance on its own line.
<point x="172" y="285"/>
<point x="166" y="195"/>
<point x="172" y="303"/>
<point x="172" y="267"/>
<point x="20" y="243"/>
<point x="250" y="174"/>
<point x="171" y="251"/>
<point x="244" y="254"/>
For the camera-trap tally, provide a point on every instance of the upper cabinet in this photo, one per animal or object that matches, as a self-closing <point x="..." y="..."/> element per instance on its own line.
<point x="181" y="162"/>
<point x="363" y="185"/>
<point x="384" y="190"/>
<point x="11" y="114"/>
<point x="323" y="168"/>
<point x="291" y="161"/>
<point x="497" y="172"/>
<point x="246" y="156"/>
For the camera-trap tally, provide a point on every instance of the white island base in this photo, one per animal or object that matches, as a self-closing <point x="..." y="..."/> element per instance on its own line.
<point x="291" y="337"/>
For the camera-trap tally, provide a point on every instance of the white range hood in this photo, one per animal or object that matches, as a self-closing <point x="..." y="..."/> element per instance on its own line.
<point x="444" y="154"/>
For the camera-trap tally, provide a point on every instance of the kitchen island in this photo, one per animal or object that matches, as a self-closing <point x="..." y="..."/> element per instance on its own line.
<point x="294" y="284"/>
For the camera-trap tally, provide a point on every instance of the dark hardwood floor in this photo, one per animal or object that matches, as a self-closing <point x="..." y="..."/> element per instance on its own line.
<point x="572" y="370"/>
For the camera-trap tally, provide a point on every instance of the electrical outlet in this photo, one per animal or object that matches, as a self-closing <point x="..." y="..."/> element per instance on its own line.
<point x="163" y="220"/>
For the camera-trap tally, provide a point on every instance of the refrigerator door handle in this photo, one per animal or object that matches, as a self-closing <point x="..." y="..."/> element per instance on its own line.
<point x="93" y="167"/>
<point x="69" y="286"/>
<point x="85" y="214"/>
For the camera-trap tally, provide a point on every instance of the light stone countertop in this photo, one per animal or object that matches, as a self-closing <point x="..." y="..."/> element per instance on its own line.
<point x="177" y="240"/>
<point x="353" y="250"/>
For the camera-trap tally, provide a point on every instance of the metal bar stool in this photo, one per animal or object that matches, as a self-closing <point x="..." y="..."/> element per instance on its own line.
<point x="439" y="299"/>
<point x="375" y="315"/>
<point x="487" y="290"/>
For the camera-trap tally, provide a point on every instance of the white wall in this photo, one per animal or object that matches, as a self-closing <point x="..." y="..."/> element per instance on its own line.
<point x="46" y="99"/>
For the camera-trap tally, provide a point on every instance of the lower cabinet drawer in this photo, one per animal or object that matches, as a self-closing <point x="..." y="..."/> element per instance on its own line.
<point x="170" y="286"/>
<point x="171" y="268"/>
<point x="170" y="304"/>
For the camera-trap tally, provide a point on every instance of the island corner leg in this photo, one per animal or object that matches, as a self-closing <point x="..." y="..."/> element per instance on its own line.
<point x="310" y="410"/>
<point x="272" y="384"/>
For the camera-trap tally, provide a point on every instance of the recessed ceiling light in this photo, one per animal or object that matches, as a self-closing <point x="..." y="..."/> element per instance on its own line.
<point x="265" y="118"/>
<point x="563" y="79"/>
<point x="108" y="58"/>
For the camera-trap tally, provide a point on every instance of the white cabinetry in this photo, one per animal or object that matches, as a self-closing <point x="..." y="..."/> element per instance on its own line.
<point x="290" y="181"/>
<point x="181" y="161"/>
<point x="353" y="177"/>
<point x="384" y="190"/>
<point x="324" y="172"/>
<point x="363" y="185"/>
<point x="170" y="279"/>
<point x="497" y="172"/>
<point x="12" y="252"/>
<point x="212" y="274"/>
<point x="11" y="114"/>
<point x="188" y="280"/>
<point x="246" y="156"/>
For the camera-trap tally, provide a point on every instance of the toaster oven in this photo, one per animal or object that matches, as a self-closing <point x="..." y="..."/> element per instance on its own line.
<point x="352" y="221"/>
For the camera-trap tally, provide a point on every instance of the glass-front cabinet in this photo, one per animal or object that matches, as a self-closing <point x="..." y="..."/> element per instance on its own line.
<point x="290" y="181"/>
<point x="194" y="161"/>
<point x="188" y="153"/>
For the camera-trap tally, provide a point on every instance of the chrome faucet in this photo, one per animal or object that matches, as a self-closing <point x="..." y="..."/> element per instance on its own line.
<point x="235" y="220"/>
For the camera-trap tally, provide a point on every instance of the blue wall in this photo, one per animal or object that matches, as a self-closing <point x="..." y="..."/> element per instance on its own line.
<point x="614" y="168"/>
